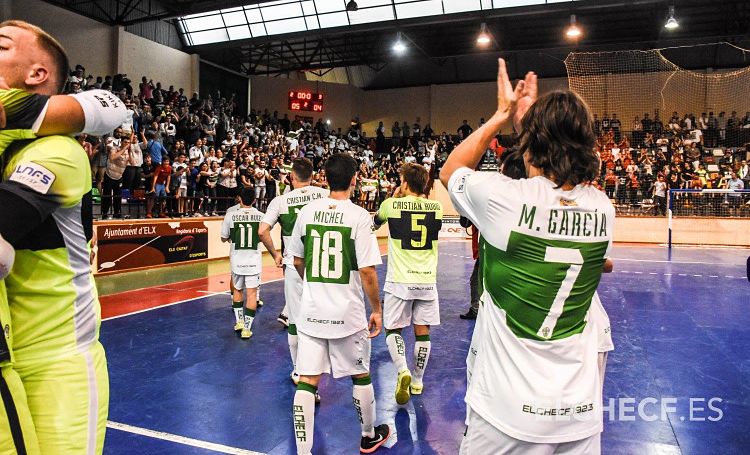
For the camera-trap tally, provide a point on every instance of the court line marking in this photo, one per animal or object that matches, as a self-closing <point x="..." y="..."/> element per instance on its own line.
<point x="674" y="262"/>
<point x="207" y="294"/>
<point x="180" y="439"/>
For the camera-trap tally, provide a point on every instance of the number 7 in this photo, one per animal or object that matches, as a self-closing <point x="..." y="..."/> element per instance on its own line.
<point x="566" y="256"/>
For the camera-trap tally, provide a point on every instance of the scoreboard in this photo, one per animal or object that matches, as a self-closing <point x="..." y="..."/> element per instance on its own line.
<point x="305" y="101"/>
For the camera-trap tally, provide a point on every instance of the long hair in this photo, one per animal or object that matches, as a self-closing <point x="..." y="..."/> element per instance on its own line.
<point x="558" y="134"/>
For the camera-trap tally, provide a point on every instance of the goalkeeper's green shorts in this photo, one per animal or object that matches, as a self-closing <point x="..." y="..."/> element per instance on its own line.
<point x="17" y="434"/>
<point x="68" y="399"/>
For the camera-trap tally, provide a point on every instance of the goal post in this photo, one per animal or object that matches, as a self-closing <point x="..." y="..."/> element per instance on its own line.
<point x="707" y="204"/>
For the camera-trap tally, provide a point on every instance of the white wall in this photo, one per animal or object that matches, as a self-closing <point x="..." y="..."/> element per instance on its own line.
<point x="105" y="50"/>
<point x="140" y="57"/>
<point x="86" y="41"/>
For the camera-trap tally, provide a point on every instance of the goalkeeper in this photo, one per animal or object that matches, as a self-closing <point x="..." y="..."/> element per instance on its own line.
<point x="45" y="193"/>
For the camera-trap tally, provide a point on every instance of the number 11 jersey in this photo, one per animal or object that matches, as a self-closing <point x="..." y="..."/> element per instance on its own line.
<point x="336" y="238"/>
<point x="240" y="226"/>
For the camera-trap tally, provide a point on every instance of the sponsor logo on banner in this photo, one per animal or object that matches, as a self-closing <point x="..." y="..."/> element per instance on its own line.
<point x="451" y="228"/>
<point x="131" y="246"/>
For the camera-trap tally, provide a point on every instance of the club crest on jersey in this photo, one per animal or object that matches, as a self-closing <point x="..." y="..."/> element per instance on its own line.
<point x="331" y="207"/>
<point x="568" y="203"/>
<point x="545" y="332"/>
<point x="34" y="176"/>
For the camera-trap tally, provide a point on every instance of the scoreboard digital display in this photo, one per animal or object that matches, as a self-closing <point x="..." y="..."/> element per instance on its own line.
<point x="305" y="101"/>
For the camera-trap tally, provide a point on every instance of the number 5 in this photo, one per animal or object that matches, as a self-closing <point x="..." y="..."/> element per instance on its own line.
<point x="419" y="228"/>
<point x="567" y="256"/>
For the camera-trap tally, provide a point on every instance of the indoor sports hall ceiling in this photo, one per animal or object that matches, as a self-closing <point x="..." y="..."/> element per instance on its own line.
<point x="439" y="35"/>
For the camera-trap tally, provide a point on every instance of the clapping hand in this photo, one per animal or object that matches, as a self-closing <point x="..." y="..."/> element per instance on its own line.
<point x="514" y="103"/>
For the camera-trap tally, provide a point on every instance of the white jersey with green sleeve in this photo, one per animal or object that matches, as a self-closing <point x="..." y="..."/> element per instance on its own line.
<point x="283" y="210"/>
<point x="413" y="227"/>
<point x="336" y="238"/>
<point x="241" y="227"/>
<point x="542" y="251"/>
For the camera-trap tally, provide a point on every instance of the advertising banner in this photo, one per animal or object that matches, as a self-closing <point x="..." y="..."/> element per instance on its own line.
<point x="451" y="228"/>
<point x="126" y="246"/>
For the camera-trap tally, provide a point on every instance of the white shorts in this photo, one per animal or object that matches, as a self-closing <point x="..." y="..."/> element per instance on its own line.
<point x="241" y="282"/>
<point x="399" y="313"/>
<point x="598" y="316"/>
<point x="346" y="356"/>
<point x="292" y="292"/>
<point x="482" y="438"/>
<point x="181" y="192"/>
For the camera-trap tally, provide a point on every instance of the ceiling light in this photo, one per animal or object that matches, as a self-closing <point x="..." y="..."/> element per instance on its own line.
<point x="573" y="31"/>
<point x="671" y="22"/>
<point x="399" y="47"/>
<point x="484" y="38"/>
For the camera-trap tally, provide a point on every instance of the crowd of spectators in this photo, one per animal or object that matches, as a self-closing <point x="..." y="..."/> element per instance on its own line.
<point x="639" y="166"/>
<point x="189" y="156"/>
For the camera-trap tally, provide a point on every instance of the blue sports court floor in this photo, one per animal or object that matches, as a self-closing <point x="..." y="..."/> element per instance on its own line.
<point x="183" y="383"/>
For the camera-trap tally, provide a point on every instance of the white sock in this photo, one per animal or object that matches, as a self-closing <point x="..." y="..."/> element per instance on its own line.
<point x="303" y="416"/>
<point x="364" y="402"/>
<point x="397" y="349"/>
<point x="421" y="356"/>
<point x="237" y="309"/>
<point x="249" y="316"/>
<point x="292" y="339"/>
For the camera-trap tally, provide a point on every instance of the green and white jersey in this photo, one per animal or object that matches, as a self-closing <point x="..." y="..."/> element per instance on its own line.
<point x="542" y="253"/>
<point x="240" y="226"/>
<point x="336" y="238"/>
<point x="24" y="113"/>
<point x="413" y="226"/>
<point x="53" y="300"/>
<point x="283" y="210"/>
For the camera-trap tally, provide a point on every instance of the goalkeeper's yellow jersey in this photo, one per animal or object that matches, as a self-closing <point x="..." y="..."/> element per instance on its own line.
<point x="22" y="111"/>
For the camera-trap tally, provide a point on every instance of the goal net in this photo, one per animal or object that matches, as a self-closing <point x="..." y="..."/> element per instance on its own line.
<point x="695" y="215"/>
<point x="631" y="83"/>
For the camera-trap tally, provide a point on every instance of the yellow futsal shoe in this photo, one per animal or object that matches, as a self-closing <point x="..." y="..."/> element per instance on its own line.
<point x="416" y="389"/>
<point x="245" y="334"/>
<point x="239" y="325"/>
<point x="402" y="387"/>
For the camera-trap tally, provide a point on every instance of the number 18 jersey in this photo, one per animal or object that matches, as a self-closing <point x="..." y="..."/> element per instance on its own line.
<point x="535" y="377"/>
<point x="240" y="226"/>
<point x="336" y="238"/>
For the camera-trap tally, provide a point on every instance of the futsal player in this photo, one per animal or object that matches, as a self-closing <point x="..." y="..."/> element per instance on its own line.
<point x="45" y="195"/>
<point x="544" y="242"/>
<point x="283" y="210"/>
<point x="240" y="227"/>
<point x="335" y="253"/>
<point x="411" y="295"/>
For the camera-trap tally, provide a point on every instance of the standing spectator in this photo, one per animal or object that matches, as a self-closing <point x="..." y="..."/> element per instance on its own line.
<point x="132" y="176"/>
<point x="160" y="186"/>
<point x="660" y="196"/>
<point x="118" y="157"/>
<point x="226" y="186"/>
<point x="395" y="135"/>
<point x="464" y="130"/>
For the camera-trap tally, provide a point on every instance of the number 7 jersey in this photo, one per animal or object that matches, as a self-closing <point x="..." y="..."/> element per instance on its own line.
<point x="336" y="238"/>
<point x="240" y="226"/>
<point x="535" y="377"/>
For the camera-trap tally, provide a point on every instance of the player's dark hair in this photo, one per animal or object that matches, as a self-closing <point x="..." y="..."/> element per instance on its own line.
<point x="49" y="45"/>
<point x="247" y="196"/>
<point x="558" y="134"/>
<point x="302" y="169"/>
<point x="416" y="177"/>
<point x="513" y="165"/>
<point x="340" y="170"/>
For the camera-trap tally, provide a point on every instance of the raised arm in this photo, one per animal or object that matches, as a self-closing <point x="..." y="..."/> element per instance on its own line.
<point x="95" y="112"/>
<point x="511" y="104"/>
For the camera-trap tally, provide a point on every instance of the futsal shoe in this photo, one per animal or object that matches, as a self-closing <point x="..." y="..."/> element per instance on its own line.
<point x="369" y="445"/>
<point x="245" y="334"/>
<point x="239" y="325"/>
<point x="317" y="397"/>
<point x="260" y="303"/>
<point x="471" y="314"/>
<point x="402" y="387"/>
<point x="294" y="377"/>
<point x="416" y="389"/>
<point x="283" y="320"/>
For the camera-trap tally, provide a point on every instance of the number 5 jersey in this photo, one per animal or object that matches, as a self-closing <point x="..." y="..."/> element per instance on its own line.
<point x="535" y="376"/>
<point x="336" y="238"/>
<point x="240" y="226"/>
